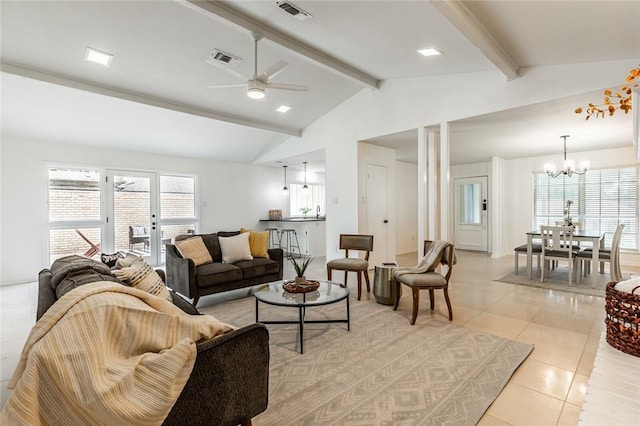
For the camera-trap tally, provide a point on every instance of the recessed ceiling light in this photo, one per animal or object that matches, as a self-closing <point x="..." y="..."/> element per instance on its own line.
<point x="283" y="108"/>
<point x="429" y="51"/>
<point x="98" y="57"/>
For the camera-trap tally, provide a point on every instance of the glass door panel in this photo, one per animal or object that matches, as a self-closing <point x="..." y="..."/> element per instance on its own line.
<point x="133" y="218"/>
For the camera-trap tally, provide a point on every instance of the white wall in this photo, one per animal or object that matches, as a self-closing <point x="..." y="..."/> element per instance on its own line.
<point x="421" y="102"/>
<point x="406" y="207"/>
<point x="235" y="195"/>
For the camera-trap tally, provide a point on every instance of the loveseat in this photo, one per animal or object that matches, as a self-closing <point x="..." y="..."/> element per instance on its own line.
<point x="184" y="277"/>
<point x="229" y="381"/>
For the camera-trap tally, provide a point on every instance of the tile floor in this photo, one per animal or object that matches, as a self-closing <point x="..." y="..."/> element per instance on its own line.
<point x="548" y="388"/>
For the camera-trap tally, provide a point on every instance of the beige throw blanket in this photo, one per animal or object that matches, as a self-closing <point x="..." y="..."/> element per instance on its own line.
<point x="106" y="354"/>
<point x="429" y="262"/>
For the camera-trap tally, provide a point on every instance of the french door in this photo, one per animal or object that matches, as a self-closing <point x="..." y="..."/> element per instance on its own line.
<point x="132" y="222"/>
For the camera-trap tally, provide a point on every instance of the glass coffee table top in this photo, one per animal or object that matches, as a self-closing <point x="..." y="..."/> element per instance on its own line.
<point x="327" y="293"/>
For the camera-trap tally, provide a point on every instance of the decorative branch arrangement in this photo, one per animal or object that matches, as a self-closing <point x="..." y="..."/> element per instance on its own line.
<point x="613" y="101"/>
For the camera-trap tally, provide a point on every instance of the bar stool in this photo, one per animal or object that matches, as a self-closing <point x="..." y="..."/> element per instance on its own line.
<point x="290" y="238"/>
<point x="274" y="240"/>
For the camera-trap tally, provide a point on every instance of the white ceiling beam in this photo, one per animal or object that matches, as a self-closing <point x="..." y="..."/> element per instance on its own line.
<point x="66" y="81"/>
<point x="223" y="11"/>
<point x="458" y="14"/>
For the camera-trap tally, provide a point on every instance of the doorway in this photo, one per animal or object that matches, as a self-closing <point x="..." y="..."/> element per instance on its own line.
<point x="470" y="221"/>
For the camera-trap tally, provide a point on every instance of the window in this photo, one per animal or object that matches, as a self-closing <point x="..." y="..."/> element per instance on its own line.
<point x="309" y="198"/>
<point x="74" y="212"/>
<point x="602" y="199"/>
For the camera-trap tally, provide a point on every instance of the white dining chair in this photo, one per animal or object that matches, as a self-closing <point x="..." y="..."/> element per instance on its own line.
<point x="557" y="244"/>
<point x="611" y="255"/>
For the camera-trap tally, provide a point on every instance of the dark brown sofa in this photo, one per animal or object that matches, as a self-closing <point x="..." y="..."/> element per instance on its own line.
<point x="229" y="382"/>
<point x="193" y="282"/>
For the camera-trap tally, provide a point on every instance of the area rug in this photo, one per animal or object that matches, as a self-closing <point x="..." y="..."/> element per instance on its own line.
<point x="383" y="371"/>
<point x="558" y="279"/>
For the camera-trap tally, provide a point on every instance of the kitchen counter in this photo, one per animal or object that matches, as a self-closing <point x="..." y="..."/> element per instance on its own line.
<point x="296" y="219"/>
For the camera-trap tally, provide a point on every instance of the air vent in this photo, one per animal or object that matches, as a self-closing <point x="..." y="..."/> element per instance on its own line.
<point x="293" y="10"/>
<point x="218" y="57"/>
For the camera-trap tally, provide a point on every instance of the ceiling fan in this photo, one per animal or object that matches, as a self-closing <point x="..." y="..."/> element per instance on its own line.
<point x="257" y="85"/>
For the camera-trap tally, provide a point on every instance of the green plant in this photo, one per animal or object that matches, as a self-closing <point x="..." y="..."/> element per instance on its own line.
<point x="305" y="210"/>
<point x="302" y="266"/>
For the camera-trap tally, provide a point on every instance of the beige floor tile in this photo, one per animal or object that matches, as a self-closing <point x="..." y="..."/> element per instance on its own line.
<point x="552" y="354"/>
<point x="544" y="378"/>
<point x="520" y="406"/>
<point x="585" y="366"/>
<point x="578" y="390"/>
<point x="593" y="342"/>
<point x="564" y="320"/>
<point x="488" y="420"/>
<point x="498" y="322"/>
<point x="564" y="338"/>
<point x="518" y="310"/>
<point x="570" y="415"/>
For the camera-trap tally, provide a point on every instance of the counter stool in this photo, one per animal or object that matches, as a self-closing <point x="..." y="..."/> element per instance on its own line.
<point x="289" y="242"/>
<point x="274" y="240"/>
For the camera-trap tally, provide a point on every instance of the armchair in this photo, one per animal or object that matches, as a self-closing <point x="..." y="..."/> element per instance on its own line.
<point x="424" y="276"/>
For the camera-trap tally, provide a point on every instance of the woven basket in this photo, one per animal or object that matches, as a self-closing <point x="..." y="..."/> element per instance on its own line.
<point x="623" y="319"/>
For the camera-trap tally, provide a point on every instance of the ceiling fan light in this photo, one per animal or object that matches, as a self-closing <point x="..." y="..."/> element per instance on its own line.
<point x="255" y="93"/>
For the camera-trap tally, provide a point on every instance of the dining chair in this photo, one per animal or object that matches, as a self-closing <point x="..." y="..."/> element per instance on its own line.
<point x="536" y="250"/>
<point x="557" y="244"/>
<point x="353" y="242"/>
<point x="611" y="255"/>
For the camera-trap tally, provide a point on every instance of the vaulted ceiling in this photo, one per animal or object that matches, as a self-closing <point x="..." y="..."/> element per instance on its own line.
<point x="155" y="96"/>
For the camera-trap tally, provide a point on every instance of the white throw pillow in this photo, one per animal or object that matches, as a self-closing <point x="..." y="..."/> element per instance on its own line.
<point x="235" y="248"/>
<point x="628" y="285"/>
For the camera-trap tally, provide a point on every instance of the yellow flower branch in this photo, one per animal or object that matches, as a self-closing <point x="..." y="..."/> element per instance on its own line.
<point x="620" y="100"/>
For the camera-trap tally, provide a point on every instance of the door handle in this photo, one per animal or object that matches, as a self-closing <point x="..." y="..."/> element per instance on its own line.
<point x="385" y="221"/>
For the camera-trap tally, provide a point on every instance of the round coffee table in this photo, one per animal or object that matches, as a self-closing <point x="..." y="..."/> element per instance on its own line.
<point x="327" y="294"/>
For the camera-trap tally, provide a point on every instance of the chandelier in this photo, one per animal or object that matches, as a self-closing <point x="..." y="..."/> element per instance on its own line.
<point x="569" y="166"/>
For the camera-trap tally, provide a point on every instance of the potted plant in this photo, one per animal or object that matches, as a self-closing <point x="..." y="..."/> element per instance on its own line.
<point x="300" y="267"/>
<point x="305" y="210"/>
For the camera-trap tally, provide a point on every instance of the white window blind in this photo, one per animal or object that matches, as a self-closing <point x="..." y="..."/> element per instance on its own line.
<point x="602" y="199"/>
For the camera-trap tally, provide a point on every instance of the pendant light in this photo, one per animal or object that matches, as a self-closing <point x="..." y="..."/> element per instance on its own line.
<point x="285" y="189"/>
<point x="568" y="166"/>
<point x="305" y="175"/>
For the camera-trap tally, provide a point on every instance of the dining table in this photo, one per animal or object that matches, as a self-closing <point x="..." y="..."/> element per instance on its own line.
<point x="597" y="242"/>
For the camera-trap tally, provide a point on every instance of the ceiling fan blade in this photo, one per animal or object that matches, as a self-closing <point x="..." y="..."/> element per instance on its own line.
<point x="284" y="86"/>
<point x="224" y="86"/>
<point x="273" y="70"/>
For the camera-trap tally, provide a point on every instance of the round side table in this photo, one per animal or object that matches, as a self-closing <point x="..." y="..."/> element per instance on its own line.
<point x="384" y="285"/>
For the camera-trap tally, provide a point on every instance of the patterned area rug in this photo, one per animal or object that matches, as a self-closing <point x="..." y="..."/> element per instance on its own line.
<point x="382" y="372"/>
<point x="558" y="279"/>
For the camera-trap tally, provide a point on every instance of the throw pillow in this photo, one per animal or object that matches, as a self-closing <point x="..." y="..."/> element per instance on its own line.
<point x="141" y="275"/>
<point x="258" y="243"/>
<point x="235" y="248"/>
<point x="194" y="249"/>
<point x="111" y="259"/>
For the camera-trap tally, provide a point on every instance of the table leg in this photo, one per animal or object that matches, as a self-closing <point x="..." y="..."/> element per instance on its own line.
<point x="301" y="326"/>
<point x="529" y="256"/>
<point x="348" y="316"/>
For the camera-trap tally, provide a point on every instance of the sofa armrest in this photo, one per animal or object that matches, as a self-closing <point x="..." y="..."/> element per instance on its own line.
<point x="229" y="382"/>
<point x="277" y="254"/>
<point x="181" y="273"/>
<point x="46" y="293"/>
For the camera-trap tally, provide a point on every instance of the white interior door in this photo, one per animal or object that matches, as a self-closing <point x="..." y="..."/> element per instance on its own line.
<point x="132" y="222"/>
<point x="377" y="213"/>
<point x="471" y="206"/>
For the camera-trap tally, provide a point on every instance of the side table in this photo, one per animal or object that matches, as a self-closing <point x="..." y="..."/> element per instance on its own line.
<point x="384" y="285"/>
